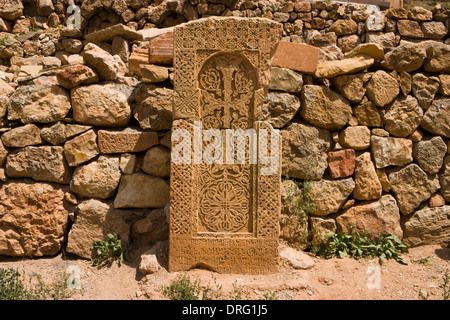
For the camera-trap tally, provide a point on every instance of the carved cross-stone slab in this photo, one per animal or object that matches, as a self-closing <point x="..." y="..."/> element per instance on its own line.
<point x="224" y="216"/>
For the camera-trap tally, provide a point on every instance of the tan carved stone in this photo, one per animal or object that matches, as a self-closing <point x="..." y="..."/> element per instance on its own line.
<point x="223" y="216"/>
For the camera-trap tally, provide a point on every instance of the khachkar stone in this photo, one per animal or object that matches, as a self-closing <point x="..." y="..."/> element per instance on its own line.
<point x="224" y="214"/>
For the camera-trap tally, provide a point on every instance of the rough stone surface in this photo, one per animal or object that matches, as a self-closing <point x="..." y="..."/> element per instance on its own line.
<point x="297" y="259"/>
<point x="11" y="9"/>
<point x="94" y="220"/>
<point x="368" y="114"/>
<point x="279" y="108"/>
<point x="329" y="69"/>
<point x="444" y="88"/>
<point x="341" y="164"/>
<point x="428" y="226"/>
<point x="287" y="56"/>
<point x="436" y="118"/>
<point x="149" y="263"/>
<point x="100" y="105"/>
<point x="107" y="34"/>
<point x="128" y="140"/>
<point x="324" y="108"/>
<point x="355" y="137"/>
<point x="40" y="163"/>
<point x="33" y="219"/>
<point x="27" y="135"/>
<point x="97" y="179"/>
<point x="382" y="88"/>
<point x="351" y="86"/>
<point x="107" y="67"/>
<point x="75" y="76"/>
<point x="445" y="179"/>
<point x="81" y="148"/>
<point x="411" y="186"/>
<point x="284" y="79"/>
<point x="330" y="195"/>
<point x="152" y="73"/>
<point x="424" y="88"/>
<point x="406" y="57"/>
<point x="438" y="58"/>
<point x="388" y="151"/>
<point x="367" y="184"/>
<point x="429" y="154"/>
<point x="157" y="162"/>
<point x="409" y="29"/>
<point x="305" y="151"/>
<point x="374" y="217"/>
<point x="403" y="117"/>
<point x="140" y="190"/>
<point x="155" y="112"/>
<point x="39" y="103"/>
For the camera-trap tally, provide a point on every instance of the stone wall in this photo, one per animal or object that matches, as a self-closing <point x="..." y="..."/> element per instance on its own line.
<point x="363" y="110"/>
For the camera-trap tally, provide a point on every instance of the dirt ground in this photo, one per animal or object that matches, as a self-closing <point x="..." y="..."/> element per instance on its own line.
<point x="333" y="279"/>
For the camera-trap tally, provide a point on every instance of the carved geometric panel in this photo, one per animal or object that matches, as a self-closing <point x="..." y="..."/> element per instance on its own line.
<point x="224" y="215"/>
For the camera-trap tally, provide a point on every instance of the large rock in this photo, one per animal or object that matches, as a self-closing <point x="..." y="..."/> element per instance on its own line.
<point x="436" y="118"/>
<point x="406" y="57"/>
<point x="382" y="88"/>
<point x="33" y="219"/>
<point x="411" y="186"/>
<point x="367" y="184"/>
<point x="343" y="27"/>
<point x="329" y="69"/>
<point x="11" y="9"/>
<point x="40" y="163"/>
<point x="324" y="108"/>
<point x="438" y="58"/>
<point x="74" y="76"/>
<point x="428" y="226"/>
<point x="157" y="162"/>
<point x="352" y="86"/>
<point x="279" y="108"/>
<point x="155" y="112"/>
<point x="388" y="151"/>
<point x="283" y="79"/>
<point x="296" y="259"/>
<point x="81" y="148"/>
<point x="27" y="135"/>
<point x="140" y="190"/>
<point x="94" y="221"/>
<point x="368" y="114"/>
<point x="375" y="217"/>
<point x="341" y="164"/>
<point x="107" y="34"/>
<point x="128" y="140"/>
<point x="429" y="154"/>
<point x="108" y="67"/>
<point x="39" y="103"/>
<point x="384" y="39"/>
<point x="424" y="88"/>
<point x="409" y="29"/>
<point x="445" y="179"/>
<point x="305" y="151"/>
<point x="98" y="179"/>
<point x="100" y="105"/>
<point x="355" y="137"/>
<point x="434" y="30"/>
<point x="403" y="117"/>
<point x="330" y="195"/>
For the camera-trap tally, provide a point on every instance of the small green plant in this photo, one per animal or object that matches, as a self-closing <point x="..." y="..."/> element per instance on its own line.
<point x="359" y="245"/>
<point x="182" y="288"/>
<point x="109" y="251"/>
<point x="302" y="203"/>
<point x="272" y="295"/>
<point x="421" y="260"/>
<point x="422" y="296"/>
<point x="212" y="293"/>
<point x="445" y="286"/>
<point x="34" y="29"/>
<point x="2" y="40"/>
<point x="14" y="286"/>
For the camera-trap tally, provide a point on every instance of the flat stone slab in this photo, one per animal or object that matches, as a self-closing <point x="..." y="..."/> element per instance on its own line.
<point x="109" y="33"/>
<point x="128" y="140"/>
<point x="296" y="56"/>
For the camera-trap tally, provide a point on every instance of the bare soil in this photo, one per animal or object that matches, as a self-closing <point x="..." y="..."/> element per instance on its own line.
<point x="333" y="279"/>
